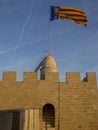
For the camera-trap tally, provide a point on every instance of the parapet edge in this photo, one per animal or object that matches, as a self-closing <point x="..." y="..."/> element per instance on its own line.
<point x="75" y="77"/>
<point x="12" y="76"/>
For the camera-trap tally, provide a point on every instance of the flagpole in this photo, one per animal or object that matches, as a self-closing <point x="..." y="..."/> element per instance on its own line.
<point x="49" y="38"/>
<point x="49" y="33"/>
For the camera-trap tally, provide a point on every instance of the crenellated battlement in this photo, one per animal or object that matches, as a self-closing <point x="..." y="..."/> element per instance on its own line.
<point x="75" y="77"/>
<point x="11" y="76"/>
<point x="90" y="77"/>
<point x="72" y="77"/>
<point x="30" y="76"/>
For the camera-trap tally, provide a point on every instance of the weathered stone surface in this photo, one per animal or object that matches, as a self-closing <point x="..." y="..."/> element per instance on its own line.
<point x="75" y="101"/>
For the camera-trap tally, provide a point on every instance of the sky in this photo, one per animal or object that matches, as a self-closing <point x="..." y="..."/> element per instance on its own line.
<point x="24" y="37"/>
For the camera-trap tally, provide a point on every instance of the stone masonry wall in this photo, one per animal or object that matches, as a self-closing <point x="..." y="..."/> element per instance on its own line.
<point x="75" y="101"/>
<point x="79" y="103"/>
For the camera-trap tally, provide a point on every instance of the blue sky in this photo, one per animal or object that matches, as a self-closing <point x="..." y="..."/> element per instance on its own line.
<point x="24" y="37"/>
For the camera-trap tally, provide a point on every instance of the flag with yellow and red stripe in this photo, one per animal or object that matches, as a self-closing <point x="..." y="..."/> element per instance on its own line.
<point x="69" y="13"/>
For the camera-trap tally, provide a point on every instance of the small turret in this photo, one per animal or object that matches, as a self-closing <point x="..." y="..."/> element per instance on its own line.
<point x="48" y="65"/>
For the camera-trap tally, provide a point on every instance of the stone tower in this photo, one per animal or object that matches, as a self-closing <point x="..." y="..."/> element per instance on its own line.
<point x="48" y="65"/>
<point x="47" y="103"/>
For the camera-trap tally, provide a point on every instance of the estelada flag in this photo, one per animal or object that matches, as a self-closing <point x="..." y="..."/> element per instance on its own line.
<point x="68" y="13"/>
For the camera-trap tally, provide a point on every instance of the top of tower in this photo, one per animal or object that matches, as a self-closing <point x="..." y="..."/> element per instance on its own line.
<point x="49" y="64"/>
